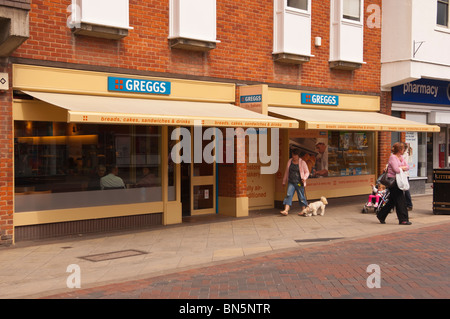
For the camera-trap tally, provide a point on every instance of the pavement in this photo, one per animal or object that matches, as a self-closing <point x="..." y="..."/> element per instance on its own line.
<point x="44" y="268"/>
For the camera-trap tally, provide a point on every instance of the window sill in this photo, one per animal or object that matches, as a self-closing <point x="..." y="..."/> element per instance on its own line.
<point x="443" y="29"/>
<point x="418" y="178"/>
<point x="100" y="31"/>
<point x="192" y="44"/>
<point x="345" y="65"/>
<point x="290" y="58"/>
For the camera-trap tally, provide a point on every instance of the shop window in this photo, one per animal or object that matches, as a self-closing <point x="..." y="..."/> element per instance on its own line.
<point x="192" y="24"/>
<point x="100" y="18"/>
<point x="346" y="34"/>
<point x="292" y="31"/>
<point x="417" y="153"/>
<point x="61" y="165"/>
<point x="335" y="153"/>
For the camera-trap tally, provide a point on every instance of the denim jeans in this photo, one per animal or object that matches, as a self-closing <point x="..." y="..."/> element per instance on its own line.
<point x="292" y="188"/>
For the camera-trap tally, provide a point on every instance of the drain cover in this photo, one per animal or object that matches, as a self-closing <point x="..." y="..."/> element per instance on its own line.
<point x="313" y="240"/>
<point x="113" y="255"/>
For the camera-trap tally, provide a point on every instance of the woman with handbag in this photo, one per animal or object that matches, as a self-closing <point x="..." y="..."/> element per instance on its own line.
<point x="295" y="175"/>
<point x="397" y="196"/>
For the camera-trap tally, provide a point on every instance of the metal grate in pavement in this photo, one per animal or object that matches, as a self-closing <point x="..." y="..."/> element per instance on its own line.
<point x="313" y="240"/>
<point x="113" y="255"/>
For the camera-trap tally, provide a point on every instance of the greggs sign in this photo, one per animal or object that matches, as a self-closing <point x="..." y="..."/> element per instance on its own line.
<point x="138" y="85"/>
<point x="320" y="99"/>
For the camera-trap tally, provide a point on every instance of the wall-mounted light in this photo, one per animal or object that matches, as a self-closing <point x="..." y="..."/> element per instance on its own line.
<point x="318" y="41"/>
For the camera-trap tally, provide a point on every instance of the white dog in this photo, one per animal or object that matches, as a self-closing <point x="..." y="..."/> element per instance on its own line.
<point x="314" y="207"/>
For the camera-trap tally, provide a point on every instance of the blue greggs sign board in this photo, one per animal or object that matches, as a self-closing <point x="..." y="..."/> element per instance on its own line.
<point x="423" y="91"/>
<point x="256" y="98"/>
<point x="138" y="85"/>
<point x="320" y="99"/>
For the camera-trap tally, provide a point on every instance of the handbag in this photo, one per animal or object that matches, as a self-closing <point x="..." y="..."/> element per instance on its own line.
<point x="385" y="180"/>
<point x="402" y="180"/>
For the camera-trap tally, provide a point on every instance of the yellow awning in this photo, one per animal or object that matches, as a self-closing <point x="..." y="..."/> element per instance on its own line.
<point x="118" y="110"/>
<point x="313" y="119"/>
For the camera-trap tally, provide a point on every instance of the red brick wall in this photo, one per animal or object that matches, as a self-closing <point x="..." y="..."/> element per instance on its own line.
<point x="244" y="55"/>
<point x="6" y="162"/>
<point x="233" y="176"/>
<point x="245" y="29"/>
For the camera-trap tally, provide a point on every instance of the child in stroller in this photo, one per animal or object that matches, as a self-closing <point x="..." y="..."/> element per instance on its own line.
<point x="380" y="194"/>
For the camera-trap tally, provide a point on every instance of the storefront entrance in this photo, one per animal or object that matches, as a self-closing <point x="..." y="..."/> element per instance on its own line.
<point x="198" y="186"/>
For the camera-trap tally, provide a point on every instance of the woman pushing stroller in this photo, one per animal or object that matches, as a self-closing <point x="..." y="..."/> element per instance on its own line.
<point x="397" y="196"/>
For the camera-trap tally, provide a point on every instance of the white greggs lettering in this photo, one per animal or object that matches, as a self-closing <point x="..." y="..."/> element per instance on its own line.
<point x="145" y="86"/>
<point x="420" y="89"/>
<point x="323" y="99"/>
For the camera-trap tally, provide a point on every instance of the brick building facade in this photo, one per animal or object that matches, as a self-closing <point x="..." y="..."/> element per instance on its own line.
<point x="242" y="55"/>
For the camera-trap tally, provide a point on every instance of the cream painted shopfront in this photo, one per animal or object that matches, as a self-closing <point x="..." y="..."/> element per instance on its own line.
<point x="337" y="137"/>
<point x="93" y="149"/>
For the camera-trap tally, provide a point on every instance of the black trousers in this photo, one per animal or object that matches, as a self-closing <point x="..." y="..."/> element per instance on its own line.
<point x="397" y="200"/>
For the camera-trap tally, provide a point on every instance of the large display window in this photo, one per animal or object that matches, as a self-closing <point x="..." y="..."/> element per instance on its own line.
<point x="335" y="153"/>
<point x="67" y="165"/>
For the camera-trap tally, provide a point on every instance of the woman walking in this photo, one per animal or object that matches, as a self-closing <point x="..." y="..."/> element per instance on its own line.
<point x="397" y="196"/>
<point x="295" y="175"/>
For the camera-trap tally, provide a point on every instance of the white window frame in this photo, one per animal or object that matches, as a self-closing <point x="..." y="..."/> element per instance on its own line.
<point x="280" y="33"/>
<point x="361" y="13"/>
<point x="294" y="9"/>
<point x="176" y="31"/>
<point x="448" y="15"/>
<point x="78" y="18"/>
<point x="339" y="28"/>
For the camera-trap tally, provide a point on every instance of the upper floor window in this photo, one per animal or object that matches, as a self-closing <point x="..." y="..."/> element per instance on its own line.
<point x="346" y="34"/>
<point x="298" y="4"/>
<point x="193" y="24"/>
<point x="352" y="10"/>
<point x="442" y="12"/>
<point x="292" y="31"/>
<point x="100" y="18"/>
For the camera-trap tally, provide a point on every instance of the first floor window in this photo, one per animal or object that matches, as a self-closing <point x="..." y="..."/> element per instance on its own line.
<point x="352" y="10"/>
<point x="442" y="12"/>
<point x="298" y="4"/>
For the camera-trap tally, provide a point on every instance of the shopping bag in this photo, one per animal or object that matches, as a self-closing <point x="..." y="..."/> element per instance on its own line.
<point x="402" y="180"/>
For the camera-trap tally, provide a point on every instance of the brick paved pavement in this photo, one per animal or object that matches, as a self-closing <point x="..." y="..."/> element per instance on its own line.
<point x="413" y="263"/>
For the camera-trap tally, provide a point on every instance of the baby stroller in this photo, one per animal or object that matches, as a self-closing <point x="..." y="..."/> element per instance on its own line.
<point x="376" y="208"/>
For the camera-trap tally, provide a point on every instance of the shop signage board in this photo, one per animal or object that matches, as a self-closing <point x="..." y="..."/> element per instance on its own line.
<point x="423" y="91"/>
<point x="320" y="99"/>
<point x="441" y="188"/>
<point x="256" y="98"/>
<point x="120" y="84"/>
<point x="251" y="98"/>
